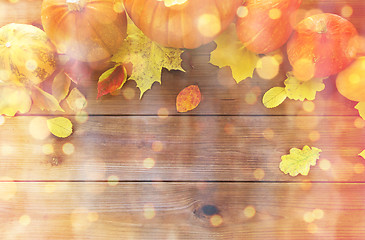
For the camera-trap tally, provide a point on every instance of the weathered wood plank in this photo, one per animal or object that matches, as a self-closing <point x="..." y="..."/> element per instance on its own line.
<point x="20" y="11"/>
<point x="181" y="148"/>
<point x="267" y="211"/>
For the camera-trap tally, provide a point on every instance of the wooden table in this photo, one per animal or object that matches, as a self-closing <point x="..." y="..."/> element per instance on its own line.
<point x="140" y="170"/>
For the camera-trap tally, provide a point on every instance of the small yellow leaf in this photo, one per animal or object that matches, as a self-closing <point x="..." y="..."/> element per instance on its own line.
<point x="299" y="161"/>
<point x="60" y="127"/>
<point x="76" y="100"/>
<point x="362" y="154"/>
<point x="361" y="108"/>
<point x="274" y="97"/>
<point x="231" y="52"/>
<point x="301" y="90"/>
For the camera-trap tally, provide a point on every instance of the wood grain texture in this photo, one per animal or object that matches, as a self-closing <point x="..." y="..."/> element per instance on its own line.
<point x="181" y="211"/>
<point x="20" y="11"/>
<point x="183" y="148"/>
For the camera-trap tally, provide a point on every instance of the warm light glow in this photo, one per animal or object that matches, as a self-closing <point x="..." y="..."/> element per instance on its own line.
<point x="354" y="78"/>
<point x="346" y="11"/>
<point x="68" y="148"/>
<point x="8" y="188"/>
<point x="82" y="117"/>
<point x="259" y="174"/>
<point x="157" y="146"/>
<point x="47" y="149"/>
<point x="306" y="185"/>
<point x="6" y="150"/>
<point x="209" y="25"/>
<point x="2" y="120"/>
<point x="79" y="219"/>
<point x="31" y="65"/>
<point x="113" y="180"/>
<point x="148" y="163"/>
<point x="129" y="93"/>
<point x="118" y="7"/>
<point x="314" y="136"/>
<point x="216" y="220"/>
<point x="274" y="13"/>
<point x="308" y="217"/>
<point x="268" y="134"/>
<point x="318" y="213"/>
<point x="92" y="216"/>
<point x="38" y="128"/>
<point x="359" y="168"/>
<point x="308" y="106"/>
<point x="303" y="69"/>
<point x="250" y="98"/>
<point x="50" y="187"/>
<point x="267" y="67"/>
<point x="249" y="211"/>
<point x="324" y="164"/>
<point x="312" y="228"/>
<point x="359" y="123"/>
<point x="169" y="3"/>
<point x="149" y="211"/>
<point x="4" y="75"/>
<point x="242" y="11"/>
<point x="25" y="220"/>
<point x="163" y="113"/>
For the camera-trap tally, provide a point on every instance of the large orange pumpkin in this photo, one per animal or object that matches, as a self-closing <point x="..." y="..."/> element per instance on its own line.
<point x="87" y="30"/>
<point x="183" y="23"/>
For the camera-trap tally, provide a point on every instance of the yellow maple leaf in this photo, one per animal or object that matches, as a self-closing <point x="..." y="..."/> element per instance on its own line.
<point x="299" y="161"/>
<point x="301" y="90"/>
<point x="362" y="154"/>
<point x="231" y="52"/>
<point x="361" y="108"/>
<point x="14" y="99"/>
<point x="148" y="58"/>
<point x="60" y="127"/>
<point x="274" y="97"/>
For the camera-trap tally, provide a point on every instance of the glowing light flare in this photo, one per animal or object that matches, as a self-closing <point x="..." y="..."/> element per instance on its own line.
<point x="359" y="123"/>
<point x="31" y="65"/>
<point x="267" y="67"/>
<point x="303" y="69"/>
<point x="149" y="211"/>
<point x="274" y="13"/>
<point x="82" y="117"/>
<point x="216" y="220"/>
<point x="259" y="174"/>
<point x="68" y="148"/>
<point x="169" y="3"/>
<point x="25" y="220"/>
<point x="251" y="98"/>
<point x="157" y="146"/>
<point x="8" y="188"/>
<point x="346" y="11"/>
<point x="92" y="216"/>
<point x="359" y="168"/>
<point x="38" y="128"/>
<point x="163" y="113"/>
<point x="312" y="228"/>
<point x="79" y="219"/>
<point x="249" y="211"/>
<point x="242" y="11"/>
<point x="324" y="164"/>
<point x="47" y="149"/>
<point x="113" y="180"/>
<point x="308" y="217"/>
<point x="148" y="163"/>
<point x="318" y="213"/>
<point x="2" y="120"/>
<point x="314" y="136"/>
<point x="308" y="106"/>
<point x="209" y="25"/>
<point x="129" y="93"/>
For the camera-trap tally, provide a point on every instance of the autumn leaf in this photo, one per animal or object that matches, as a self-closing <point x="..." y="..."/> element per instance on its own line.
<point x="362" y="154"/>
<point x="361" y="108"/>
<point x="61" y="86"/>
<point x="301" y="90"/>
<point x="60" y="127"/>
<point x="274" y="97"/>
<point x="77" y="71"/>
<point x="76" y="100"/>
<point x="188" y="99"/>
<point x="44" y="100"/>
<point x="147" y="57"/>
<point x="14" y="99"/>
<point x="231" y="52"/>
<point x="112" y="80"/>
<point x="299" y="161"/>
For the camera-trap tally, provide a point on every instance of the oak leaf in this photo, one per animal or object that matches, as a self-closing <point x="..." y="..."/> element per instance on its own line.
<point x="301" y="90"/>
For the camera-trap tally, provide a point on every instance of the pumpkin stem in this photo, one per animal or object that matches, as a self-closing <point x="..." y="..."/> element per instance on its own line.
<point x="75" y="5"/>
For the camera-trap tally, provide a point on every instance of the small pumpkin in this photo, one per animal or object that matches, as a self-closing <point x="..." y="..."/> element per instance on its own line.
<point x="264" y="25"/>
<point x="86" y="30"/>
<point x="27" y="57"/>
<point x="182" y="23"/>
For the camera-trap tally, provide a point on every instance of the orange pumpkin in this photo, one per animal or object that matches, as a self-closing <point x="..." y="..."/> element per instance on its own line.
<point x="183" y="23"/>
<point x="87" y="30"/>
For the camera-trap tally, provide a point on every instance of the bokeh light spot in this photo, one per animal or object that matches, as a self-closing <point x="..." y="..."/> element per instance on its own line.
<point x="251" y="98"/>
<point x="359" y="123"/>
<point x="31" y="65"/>
<point x="303" y="69"/>
<point x="259" y="174"/>
<point x="314" y="136"/>
<point x="2" y="120"/>
<point x="38" y="128"/>
<point x="308" y="106"/>
<point x="129" y="93"/>
<point x="82" y="117"/>
<point x="113" y="180"/>
<point x="318" y="213"/>
<point x="7" y="150"/>
<point x="148" y="163"/>
<point x="268" y="134"/>
<point x="149" y="211"/>
<point x="267" y="67"/>
<point x="308" y="217"/>
<point x="163" y="113"/>
<point x="68" y="148"/>
<point x="324" y="164"/>
<point x="118" y="7"/>
<point x="359" y="168"/>
<point x="25" y="220"/>
<point x="209" y="25"/>
<point x="47" y="149"/>
<point x="92" y="216"/>
<point x="242" y="11"/>
<point x="8" y="188"/>
<point x="312" y="228"/>
<point x="346" y="11"/>
<point x="274" y="13"/>
<point x="216" y="220"/>
<point x="157" y="146"/>
<point x="249" y="211"/>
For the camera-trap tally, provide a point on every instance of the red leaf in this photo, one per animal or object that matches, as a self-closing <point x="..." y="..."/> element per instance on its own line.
<point x="112" y="80"/>
<point x="188" y="99"/>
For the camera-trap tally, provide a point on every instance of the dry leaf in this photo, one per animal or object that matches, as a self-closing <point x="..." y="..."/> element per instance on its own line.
<point x="44" y="100"/>
<point x="274" y="97"/>
<point x="188" y="99"/>
<point x="362" y="154"/>
<point x="76" y="100"/>
<point x="112" y="80"/>
<point x="301" y="90"/>
<point x="361" y="108"/>
<point x="61" y="86"/>
<point x="60" y="127"/>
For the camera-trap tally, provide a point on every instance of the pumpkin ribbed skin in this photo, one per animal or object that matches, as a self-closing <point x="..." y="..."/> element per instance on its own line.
<point x="187" y="25"/>
<point x="27" y="57"/>
<point x="87" y="30"/>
